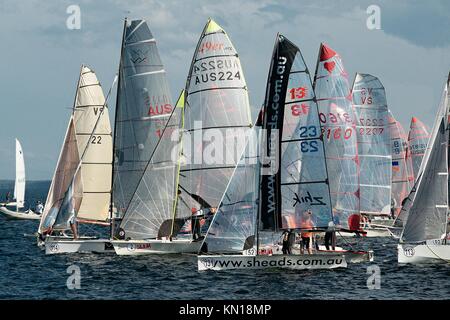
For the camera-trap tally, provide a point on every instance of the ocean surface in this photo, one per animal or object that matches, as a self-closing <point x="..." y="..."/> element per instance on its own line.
<point x="27" y="273"/>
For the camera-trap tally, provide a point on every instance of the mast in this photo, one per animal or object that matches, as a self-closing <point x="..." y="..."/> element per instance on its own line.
<point x="111" y="201"/>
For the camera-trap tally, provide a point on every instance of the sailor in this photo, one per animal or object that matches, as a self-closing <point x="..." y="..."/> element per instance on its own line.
<point x="39" y="207"/>
<point x="195" y="223"/>
<point x="393" y="205"/>
<point x="285" y="247"/>
<point x="330" y="234"/>
<point x="306" y="235"/>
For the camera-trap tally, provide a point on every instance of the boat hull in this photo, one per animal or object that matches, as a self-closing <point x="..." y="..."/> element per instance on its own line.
<point x="251" y="262"/>
<point x="59" y="246"/>
<point x="423" y="253"/>
<point x="143" y="247"/>
<point x="17" y="215"/>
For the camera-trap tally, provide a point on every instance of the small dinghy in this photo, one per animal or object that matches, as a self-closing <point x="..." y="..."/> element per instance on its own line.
<point x="19" y="192"/>
<point x="288" y="189"/>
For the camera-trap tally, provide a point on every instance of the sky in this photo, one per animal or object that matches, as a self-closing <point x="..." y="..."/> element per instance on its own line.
<point x="41" y="57"/>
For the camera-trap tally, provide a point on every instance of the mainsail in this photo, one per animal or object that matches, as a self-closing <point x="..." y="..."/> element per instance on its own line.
<point x="151" y="209"/>
<point x="417" y="143"/>
<point x="299" y="181"/>
<point x="334" y="99"/>
<point x="217" y="116"/>
<point x="93" y="134"/>
<point x="427" y="205"/>
<point x="19" y="186"/>
<point x="374" y="144"/>
<point x="67" y="165"/>
<point x="143" y="107"/>
<point x="402" y="172"/>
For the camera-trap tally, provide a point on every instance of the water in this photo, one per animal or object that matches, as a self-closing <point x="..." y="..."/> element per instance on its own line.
<point x="29" y="274"/>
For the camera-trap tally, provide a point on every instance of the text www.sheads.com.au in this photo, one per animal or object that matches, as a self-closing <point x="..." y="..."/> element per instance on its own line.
<point x="285" y="261"/>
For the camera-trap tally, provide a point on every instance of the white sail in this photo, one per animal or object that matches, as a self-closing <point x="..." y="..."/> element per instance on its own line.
<point x="94" y="140"/>
<point x="217" y="116"/>
<point x="66" y="167"/>
<point x="151" y="209"/>
<point x="427" y="205"/>
<point x="336" y="114"/>
<point x="374" y="144"/>
<point x="19" y="186"/>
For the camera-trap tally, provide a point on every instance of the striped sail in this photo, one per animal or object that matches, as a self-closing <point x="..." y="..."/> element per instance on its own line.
<point x="217" y="117"/>
<point x="374" y="144"/>
<point x="334" y="99"/>
<point x="143" y="107"/>
<point x="150" y="212"/>
<point x="94" y="140"/>
<point x="402" y="172"/>
<point x="417" y="143"/>
<point x="19" y="185"/>
<point x="427" y="205"/>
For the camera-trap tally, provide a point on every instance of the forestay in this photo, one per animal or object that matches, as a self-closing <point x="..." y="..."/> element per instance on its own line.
<point x="334" y="99"/>
<point x="143" y="107"/>
<point x="402" y="172"/>
<point x="217" y="118"/>
<point x="417" y="142"/>
<point x="427" y="209"/>
<point x="374" y="144"/>
<point x="94" y="140"/>
<point x="19" y="185"/>
<point x="151" y="209"/>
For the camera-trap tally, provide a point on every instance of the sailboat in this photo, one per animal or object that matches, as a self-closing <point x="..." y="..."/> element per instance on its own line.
<point x="19" y="192"/>
<point x="81" y="184"/>
<point x="292" y="180"/>
<point x="374" y="152"/>
<point x="425" y="237"/>
<point x="185" y="181"/>
<point x="417" y="142"/>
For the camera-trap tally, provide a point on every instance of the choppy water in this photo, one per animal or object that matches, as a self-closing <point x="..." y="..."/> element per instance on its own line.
<point x="26" y="273"/>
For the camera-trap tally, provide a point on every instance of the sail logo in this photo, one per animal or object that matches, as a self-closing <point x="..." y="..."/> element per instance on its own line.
<point x="209" y="46"/>
<point x="139" y="56"/>
<point x="308" y="199"/>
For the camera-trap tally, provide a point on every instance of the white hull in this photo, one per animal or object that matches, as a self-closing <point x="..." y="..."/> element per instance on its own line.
<point x="350" y="256"/>
<point x="294" y="262"/>
<point x="10" y="214"/>
<point x="423" y="253"/>
<point x="57" y="246"/>
<point x="143" y="247"/>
